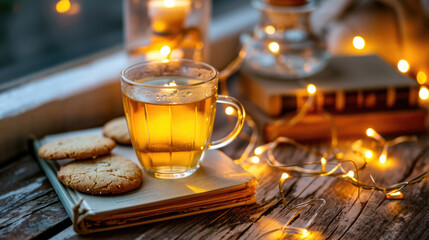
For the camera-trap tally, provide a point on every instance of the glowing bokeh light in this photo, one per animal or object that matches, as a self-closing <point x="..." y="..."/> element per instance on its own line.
<point x="421" y="77"/>
<point x="403" y="66"/>
<point x="368" y="154"/>
<point x="358" y="42"/>
<point x="424" y="93"/>
<point x="370" y="132"/>
<point x="165" y="51"/>
<point x="258" y="151"/>
<point x="284" y="176"/>
<point x="274" y="47"/>
<point x="311" y="89"/>
<point x="270" y="30"/>
<point x="169" y="3"/>
<point x="63" y="6"/>
<point x="305" y="233"/>
<point x="229" y="110"/>
<point x="255" y="159"/>
<point x="382" y="158"/>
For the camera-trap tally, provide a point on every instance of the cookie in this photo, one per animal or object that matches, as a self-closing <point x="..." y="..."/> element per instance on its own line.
<point x="117" y="129"/>
<point x="82" y="147"/>
<point x="110" y="174"/>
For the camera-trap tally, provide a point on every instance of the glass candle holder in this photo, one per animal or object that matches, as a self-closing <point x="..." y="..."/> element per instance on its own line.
<point x="166" y="29"/>
<point x="283" y="44"/>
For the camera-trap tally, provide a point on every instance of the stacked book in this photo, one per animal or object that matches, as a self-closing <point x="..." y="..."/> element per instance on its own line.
<point x="359" y="92"/>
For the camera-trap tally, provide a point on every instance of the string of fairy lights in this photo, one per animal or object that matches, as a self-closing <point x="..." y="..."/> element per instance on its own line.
<point x="334" y="162"/>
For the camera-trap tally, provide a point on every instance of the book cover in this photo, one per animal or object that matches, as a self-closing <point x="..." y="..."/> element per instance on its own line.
<point x="347" y="85"/>
<point x="218" y="184"/>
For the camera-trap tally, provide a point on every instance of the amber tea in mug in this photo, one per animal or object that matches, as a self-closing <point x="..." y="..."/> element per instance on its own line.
<point x="170" y="108"/>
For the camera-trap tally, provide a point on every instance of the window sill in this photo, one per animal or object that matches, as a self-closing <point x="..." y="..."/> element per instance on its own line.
<point x="88" y="94"/>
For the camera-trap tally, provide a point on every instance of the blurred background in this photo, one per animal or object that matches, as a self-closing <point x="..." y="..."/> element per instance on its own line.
<point x="38" y="35"/>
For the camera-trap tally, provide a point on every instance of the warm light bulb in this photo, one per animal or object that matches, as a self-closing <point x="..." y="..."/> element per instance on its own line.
<point x="305" y="233"/>
<point x="274" y="47"/>
<point x="368" y="154"/>
<point x="323" y="161"/>
<point x="370" y="132"/>
<point x="165" y="51"/>
<point x="358" y="42"/>
<point x="351" y="174"/>
<point x="403" y="66"/>
<point x="63" y="6"/>
<point x="255" y="159"/>
<point x="382" y="158"/>
<point x="421" y="77"/>
<point x="229" y="110"/>
<point x="311" y="89"/>
<point x="258" y="151"/>
<point x="270" y="30"/>
<point x="284" y="176"/>
<point x="424" y="93"/>
<point x="395" y="195"/>
<point x="169" y="3"/>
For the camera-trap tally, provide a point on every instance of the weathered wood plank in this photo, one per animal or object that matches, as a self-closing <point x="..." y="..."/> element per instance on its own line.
<point x="343" y="217"/>
<point x="29" y="206"/>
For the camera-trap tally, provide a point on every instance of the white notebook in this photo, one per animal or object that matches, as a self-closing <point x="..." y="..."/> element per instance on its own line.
<point x="218" y="184"/>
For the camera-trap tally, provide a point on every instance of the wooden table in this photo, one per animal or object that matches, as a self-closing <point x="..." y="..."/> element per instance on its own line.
<point x="30" y="208"/>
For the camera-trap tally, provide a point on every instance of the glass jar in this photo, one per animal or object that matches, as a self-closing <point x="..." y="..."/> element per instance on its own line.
<point x="283" y="44"/>
<point x="166" y="29"/>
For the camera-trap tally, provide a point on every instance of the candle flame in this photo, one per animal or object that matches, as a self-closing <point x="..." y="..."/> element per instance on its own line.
<point x="323" y="161"/>
<point x="169" y="3"/>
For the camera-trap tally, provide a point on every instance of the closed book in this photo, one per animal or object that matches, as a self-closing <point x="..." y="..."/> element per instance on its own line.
<point x="317" y="127"/>
<point x="219" y="183"/>
<point x="347" y="85"/>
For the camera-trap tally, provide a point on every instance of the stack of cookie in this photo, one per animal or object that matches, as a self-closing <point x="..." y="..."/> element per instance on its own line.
<point x="117" y="129"/>
<point x="94" y="169"/>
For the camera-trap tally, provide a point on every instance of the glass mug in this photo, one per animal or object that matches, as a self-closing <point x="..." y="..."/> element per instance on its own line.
<point x="170" y="108"/>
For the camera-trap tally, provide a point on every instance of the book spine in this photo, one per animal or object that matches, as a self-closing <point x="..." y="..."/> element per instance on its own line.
<point x="355" y="101"/>
<point x="315" y="127"/>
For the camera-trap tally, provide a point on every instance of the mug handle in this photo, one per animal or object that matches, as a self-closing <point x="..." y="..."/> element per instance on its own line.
<point x="241" y="115"/>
